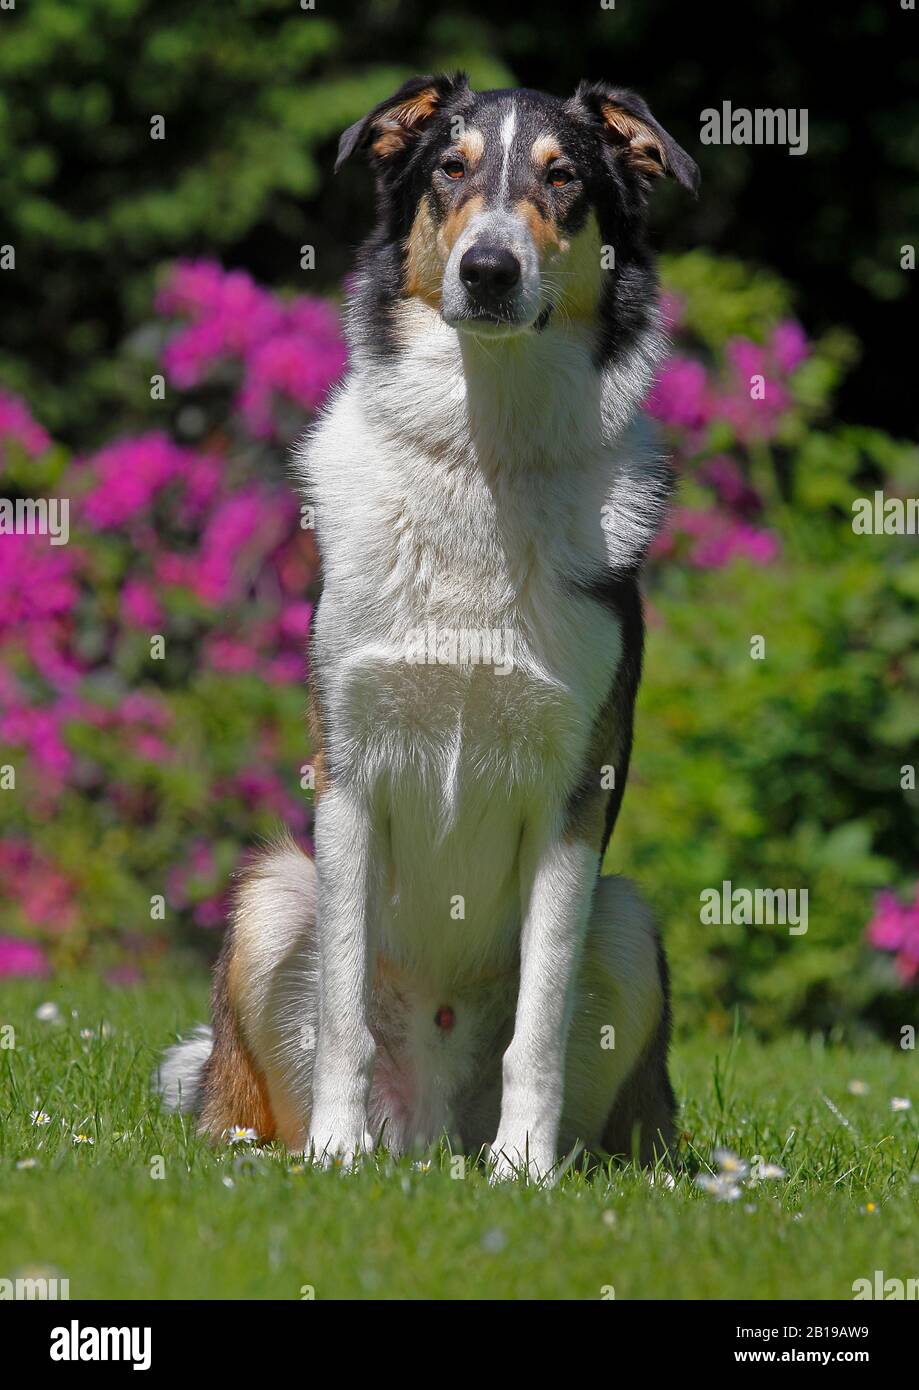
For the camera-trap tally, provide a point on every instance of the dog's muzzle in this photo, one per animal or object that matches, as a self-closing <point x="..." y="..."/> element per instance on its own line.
<point x="490" y="274"/>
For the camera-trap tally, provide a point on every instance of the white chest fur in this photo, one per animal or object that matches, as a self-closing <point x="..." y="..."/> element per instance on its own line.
<point x="460" y="502"/>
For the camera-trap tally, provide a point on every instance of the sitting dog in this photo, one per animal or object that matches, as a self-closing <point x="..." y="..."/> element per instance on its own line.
<point x="485" y="493"/>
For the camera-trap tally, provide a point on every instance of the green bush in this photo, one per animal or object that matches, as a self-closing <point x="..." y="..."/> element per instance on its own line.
<point x="785" y="771"/>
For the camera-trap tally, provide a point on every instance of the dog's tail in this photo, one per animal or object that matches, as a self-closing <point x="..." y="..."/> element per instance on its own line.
<point x="179" y="1076"/>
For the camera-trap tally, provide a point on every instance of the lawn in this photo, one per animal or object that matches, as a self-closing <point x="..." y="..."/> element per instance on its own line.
<point x="149" y="1211"/>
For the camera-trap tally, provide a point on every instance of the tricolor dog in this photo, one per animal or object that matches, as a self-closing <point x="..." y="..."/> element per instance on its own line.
<point x="452" y="960"/>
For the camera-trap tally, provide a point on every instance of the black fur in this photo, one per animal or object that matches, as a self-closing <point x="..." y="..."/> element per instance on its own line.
<point x="621" y="595"/>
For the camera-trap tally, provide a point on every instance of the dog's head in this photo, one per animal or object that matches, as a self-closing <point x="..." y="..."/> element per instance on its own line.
<point x="509" y="207"/>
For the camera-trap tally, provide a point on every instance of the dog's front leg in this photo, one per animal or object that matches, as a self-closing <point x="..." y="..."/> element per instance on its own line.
<point x="347" y="871"/>
<point x="554" y="927"/>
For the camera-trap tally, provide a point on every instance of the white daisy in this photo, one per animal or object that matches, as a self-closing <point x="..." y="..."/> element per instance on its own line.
<point x="722" y="1187"/>
<point x="239" y="1134"/>
<point x="763" y="1171"/>
<point x="40" y="1117"/>
<point x="730" y="1165"/>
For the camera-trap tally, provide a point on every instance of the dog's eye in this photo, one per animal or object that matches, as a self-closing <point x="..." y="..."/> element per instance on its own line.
<point x="454" y="168"/>
<point x="558" y="177"/>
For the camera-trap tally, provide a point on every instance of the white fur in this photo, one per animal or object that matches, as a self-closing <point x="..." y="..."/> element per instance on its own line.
<point x="508" y="127"/>
<point x="179" y="1074"/>
<point x="466" y="484"/>
<point x="425" y="1082"/>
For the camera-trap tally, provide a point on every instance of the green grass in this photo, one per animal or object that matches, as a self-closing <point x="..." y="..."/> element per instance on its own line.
<point x="221" y="1224"/>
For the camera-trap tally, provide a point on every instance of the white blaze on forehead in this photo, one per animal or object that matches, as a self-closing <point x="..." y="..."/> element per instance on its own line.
<point x="508" y="127"/>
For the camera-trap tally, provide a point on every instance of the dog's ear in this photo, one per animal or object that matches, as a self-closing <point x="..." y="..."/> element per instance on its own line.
<point x="391" y="128"/>
<point x="627" y="124"/>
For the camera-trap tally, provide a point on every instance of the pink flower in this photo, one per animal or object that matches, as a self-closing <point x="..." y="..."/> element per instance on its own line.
<point x="141" y="708"/>
<point x="680" y="395"/>
<point x="732" y="487"/>
<point x="895" y="928"/>
<point x="140" y="607"/>
<point x="229" y="314"/>
<point x="286" y="669"/>
<point x="203" y="476"/>
<point x="18" y="427"/>
<point x="788" y="346"/>
<point x="202" y="858"/>
<point x="717" y="538"/>
<point x="211" y="912"/>
<point x="225" y="654"/>
<point x="48" y="648"/>
<point x="192" y="286"/>
<point x="757" y="396"/>
<point x="37" y="730"/>
<point x="281" y="351"/>
<point x="38" y="581"/>
<point x="47" y="899"/>
<point x="185" y="882"/>
<point x="23" y="959"/>
<point x="241" y="532"/>
<point x="128" y="475"/>
<point x="291" y="365"/>
<point x="151" y="748"/>
<point x="295" y="620"/>
<point x="746" y="358"/>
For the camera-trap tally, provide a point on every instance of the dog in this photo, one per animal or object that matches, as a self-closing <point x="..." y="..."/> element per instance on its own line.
<point x="452" y="961"/>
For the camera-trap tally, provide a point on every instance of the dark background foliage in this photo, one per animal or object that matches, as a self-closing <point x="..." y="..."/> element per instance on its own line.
<point x="257" y="93"/>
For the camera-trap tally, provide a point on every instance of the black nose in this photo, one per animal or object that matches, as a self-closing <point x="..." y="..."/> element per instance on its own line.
<point x="489" y="272"/>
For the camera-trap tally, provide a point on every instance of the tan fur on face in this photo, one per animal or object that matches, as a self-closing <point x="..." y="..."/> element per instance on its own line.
<point x="455" y="223"/>
<point x="428" y="247"/>
<point x="575" y="260"/>
<point x="543" y="230"/>
<point x="471" y="146"/>
<point x="423" y="265"/>
<point x="544" y="150"/>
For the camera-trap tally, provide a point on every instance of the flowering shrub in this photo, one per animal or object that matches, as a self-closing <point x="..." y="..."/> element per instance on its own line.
<point x="286" y="351"/>
<point x="895" y="927"/>
<point x="152" y="670"/>
<point x="750" y="401"/>
<point x="796" y="770"/>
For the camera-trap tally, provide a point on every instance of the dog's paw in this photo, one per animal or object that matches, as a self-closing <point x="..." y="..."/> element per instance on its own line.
<point x="508" y="1159"/>
<point x="335" y="1143"/>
